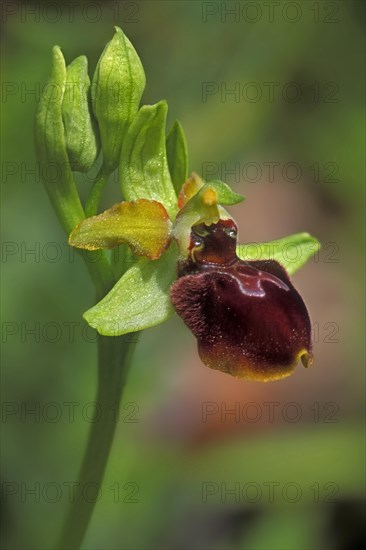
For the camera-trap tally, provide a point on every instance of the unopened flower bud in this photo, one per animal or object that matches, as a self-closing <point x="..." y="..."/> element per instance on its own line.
<point x="80" y="137"/>
<point x="117" y="87"/>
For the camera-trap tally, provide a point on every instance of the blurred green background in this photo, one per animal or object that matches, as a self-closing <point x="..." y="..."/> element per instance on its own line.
<point x="177" y="477"/>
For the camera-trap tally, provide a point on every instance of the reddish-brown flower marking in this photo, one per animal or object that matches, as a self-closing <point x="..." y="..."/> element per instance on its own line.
<point x="248" y="318"/>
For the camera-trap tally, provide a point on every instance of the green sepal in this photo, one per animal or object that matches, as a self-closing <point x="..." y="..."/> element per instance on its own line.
<point x="177" y="153"/>
<point x="139" y="300"/>
<point x="117" y="87"/>
<point x="49" y="128"/>
<point x="80" y="138"/>
<point x="144" y="171"/>
<point x="291" y="252"/>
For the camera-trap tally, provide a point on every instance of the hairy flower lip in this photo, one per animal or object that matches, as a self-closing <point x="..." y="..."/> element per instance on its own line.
<point x="248" y="318"/>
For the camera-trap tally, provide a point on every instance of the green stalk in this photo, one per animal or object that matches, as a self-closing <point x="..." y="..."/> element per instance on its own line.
<point x="93" y="200"/>
<point x="114" y="357"/>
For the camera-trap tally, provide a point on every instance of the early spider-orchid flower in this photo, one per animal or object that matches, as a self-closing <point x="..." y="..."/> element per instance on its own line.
<point x="176" y="244"/>
<point x="248" y="318"/>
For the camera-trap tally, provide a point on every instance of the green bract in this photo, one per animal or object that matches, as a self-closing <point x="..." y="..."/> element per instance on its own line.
<point x="139" y="300"/>
<point x="49" y="128"/>
<point x="117" y="87"/>
<point x="144" y="171"/>
<point x="51" y="146"/>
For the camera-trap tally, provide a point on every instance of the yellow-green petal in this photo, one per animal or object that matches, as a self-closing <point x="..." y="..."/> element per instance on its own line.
<point x="142" y="224"/>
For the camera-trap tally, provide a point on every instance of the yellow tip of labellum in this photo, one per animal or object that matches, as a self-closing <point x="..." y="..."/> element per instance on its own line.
<point x="306" y="358"/>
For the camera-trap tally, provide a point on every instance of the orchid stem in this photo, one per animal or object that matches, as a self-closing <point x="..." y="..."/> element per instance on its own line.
<point x="114" y="358"/>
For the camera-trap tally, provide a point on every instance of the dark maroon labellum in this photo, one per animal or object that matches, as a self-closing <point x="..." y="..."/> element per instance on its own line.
<point x="248" y="318"/>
